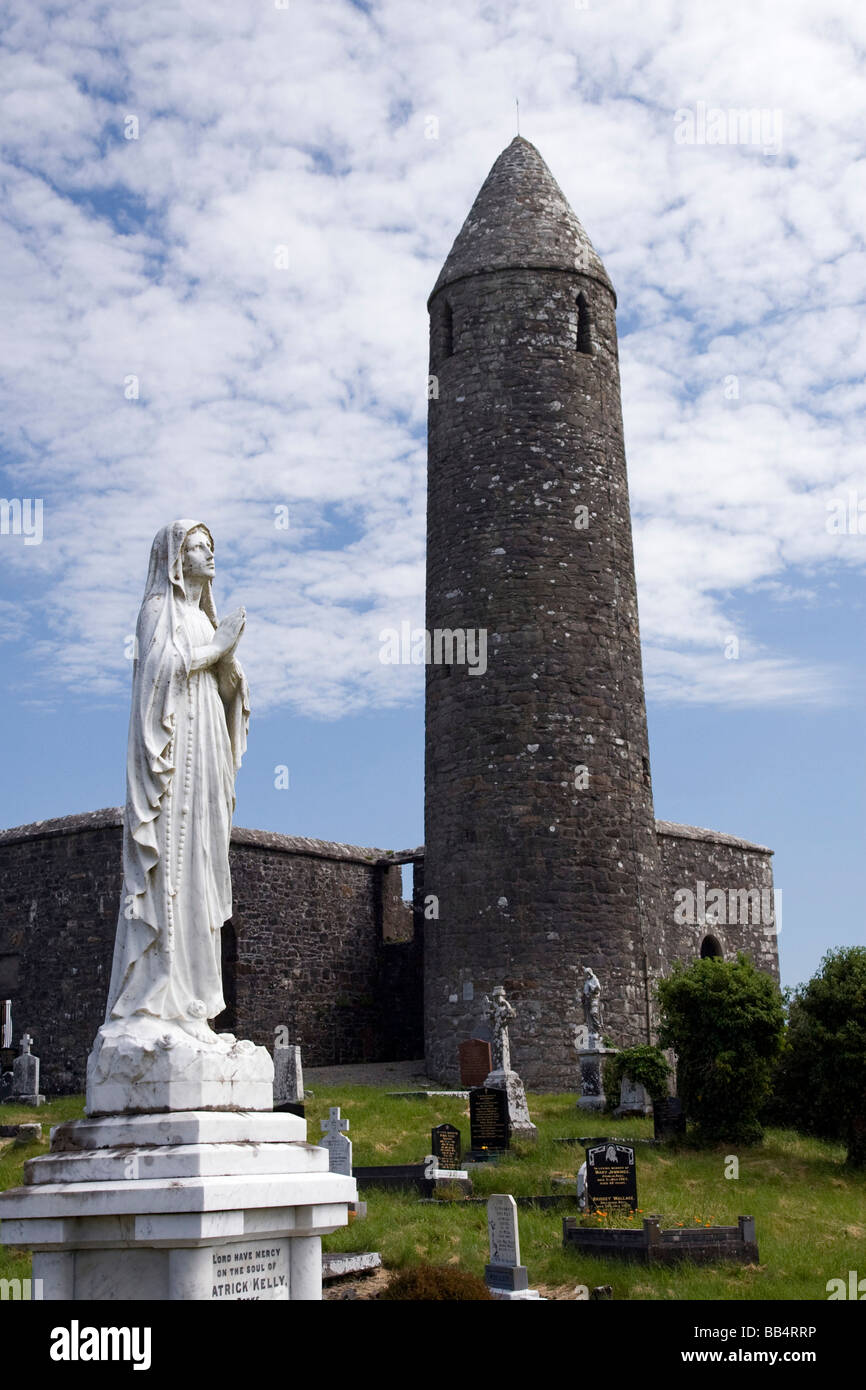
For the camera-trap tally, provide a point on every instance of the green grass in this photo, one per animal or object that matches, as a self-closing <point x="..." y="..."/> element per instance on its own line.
<point x="15" y="1264"/>
<point x="809" y="1209"/>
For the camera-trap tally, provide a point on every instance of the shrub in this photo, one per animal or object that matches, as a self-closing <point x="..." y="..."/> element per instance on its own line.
<point x="645" y="1066"/>
<point x="436" y="1283"/>
<point x="818" y="1085"/>
<point x="725" y="1021"/>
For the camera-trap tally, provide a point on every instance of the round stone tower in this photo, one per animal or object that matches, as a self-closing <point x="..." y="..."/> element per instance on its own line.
<point x="541" y="854"/>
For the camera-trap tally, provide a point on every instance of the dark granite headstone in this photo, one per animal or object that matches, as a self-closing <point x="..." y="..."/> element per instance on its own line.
<point x="611" y="1178"/>
<point x="669" y="1122"/>
<point x="446" y="1146"/>
<point x="488" y="1118"/>
<point x="6" y="1087"/>
<point x="476" y="1062"/>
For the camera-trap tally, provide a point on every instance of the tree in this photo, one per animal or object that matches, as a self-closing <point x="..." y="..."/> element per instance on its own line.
<point x="725" y="1021"/>
<point x="820" y="1082"/>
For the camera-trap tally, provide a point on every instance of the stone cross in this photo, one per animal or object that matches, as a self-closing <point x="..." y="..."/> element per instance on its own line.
<point x="25" y="1044"/>
<point x="338" y="1146"/>
<point x="500" y="1013"/>
<point x="334" y="1125"/>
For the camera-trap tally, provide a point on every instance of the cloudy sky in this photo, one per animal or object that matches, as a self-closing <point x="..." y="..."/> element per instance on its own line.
<point x="221" y="221"/>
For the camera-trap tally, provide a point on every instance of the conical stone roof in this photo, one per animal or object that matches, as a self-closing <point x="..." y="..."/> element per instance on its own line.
<point x="520" y="220"/>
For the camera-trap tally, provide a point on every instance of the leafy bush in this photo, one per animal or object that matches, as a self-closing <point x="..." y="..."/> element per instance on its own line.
<point x="725" y="1021"/>
<point x="818" y="1085"/>
<point x="645" y="1066"/>
<point x="436" y="1283"/>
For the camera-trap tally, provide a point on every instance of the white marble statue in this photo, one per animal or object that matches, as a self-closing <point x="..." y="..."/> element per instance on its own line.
<point x="187" y="734"/>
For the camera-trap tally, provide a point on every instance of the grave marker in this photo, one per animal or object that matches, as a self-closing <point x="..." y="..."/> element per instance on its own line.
<point x="611" y="1178"/>
<point x="338" y="1146"/>
<point x="25" y="1075"/>
<point x="505" y="1276"/>
<point x="446" y="1146"/>
<point x="288" y="1079"/>
<point x="488" y="1119"/>
<point x="476" y="1062"/>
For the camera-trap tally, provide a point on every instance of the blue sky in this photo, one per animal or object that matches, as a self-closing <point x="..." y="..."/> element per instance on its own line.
<point x="225" y="314"/>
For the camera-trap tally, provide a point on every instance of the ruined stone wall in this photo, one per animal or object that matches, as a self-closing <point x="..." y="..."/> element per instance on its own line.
<point x="60" y="887"/>
<point x="691" y="857"/>
<point x="320" y="943"/>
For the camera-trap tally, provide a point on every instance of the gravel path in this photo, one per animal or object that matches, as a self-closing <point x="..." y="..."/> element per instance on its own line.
<point x="391" y="1076"/>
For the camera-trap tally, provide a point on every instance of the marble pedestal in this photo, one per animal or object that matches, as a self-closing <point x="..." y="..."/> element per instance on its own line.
<point x="142" y="1065"/>
<point x="520" y="1124"/>
<point x="185" y="1205"/>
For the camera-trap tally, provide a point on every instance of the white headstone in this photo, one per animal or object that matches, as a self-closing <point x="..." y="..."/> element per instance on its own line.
<point x="502" y="1230"/>
<point x="338" y="1146"/>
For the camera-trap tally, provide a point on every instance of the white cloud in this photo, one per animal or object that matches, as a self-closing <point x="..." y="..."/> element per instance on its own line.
<point x="304" y="128"/>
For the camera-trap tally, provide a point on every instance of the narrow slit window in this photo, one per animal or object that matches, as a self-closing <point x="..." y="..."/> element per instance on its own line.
<point x="584" y="325"/>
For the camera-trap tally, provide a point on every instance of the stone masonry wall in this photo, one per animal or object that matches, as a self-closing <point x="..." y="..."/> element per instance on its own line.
<point x="744" y="871"/>
<point x="323" y="942"/>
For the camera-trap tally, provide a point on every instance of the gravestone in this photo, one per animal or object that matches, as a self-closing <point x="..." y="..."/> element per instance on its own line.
<point x="505" y="1276"/>
<point x="611" y="1178"/>
<point x="6" y="1082"/>
<point x="446" y="1146"/>
<point x="25" y="1075"/>
<point x="338" y="1146"/>
<point x="288" y="1079"/>
<point x="488" y="1119"/>
<point x="633" y="1099"/>
<point x="476" y="1062"/>
<point x="669" y="1121"/>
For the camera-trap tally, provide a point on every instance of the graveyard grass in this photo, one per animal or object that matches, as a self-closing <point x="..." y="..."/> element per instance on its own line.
<point x="809" y="1209"/>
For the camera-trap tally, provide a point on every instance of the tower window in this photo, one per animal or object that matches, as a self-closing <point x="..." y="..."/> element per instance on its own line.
<point x="584" y="341"/>
<point x="710" y="949"/>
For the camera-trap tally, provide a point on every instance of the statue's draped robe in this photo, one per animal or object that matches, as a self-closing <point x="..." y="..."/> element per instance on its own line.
<point x="186" y="740"/>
